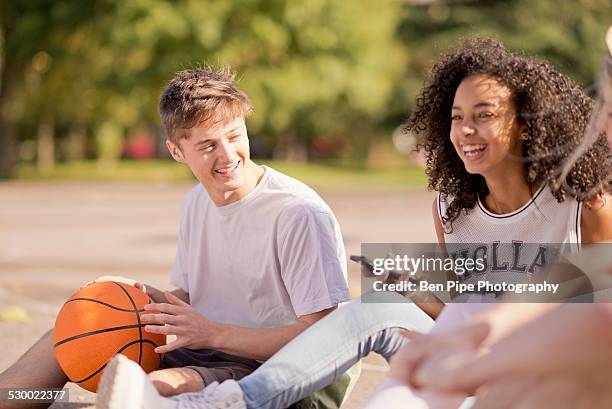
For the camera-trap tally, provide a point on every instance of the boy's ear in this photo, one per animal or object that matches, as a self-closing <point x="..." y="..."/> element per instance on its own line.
<point x="175" y="151"/>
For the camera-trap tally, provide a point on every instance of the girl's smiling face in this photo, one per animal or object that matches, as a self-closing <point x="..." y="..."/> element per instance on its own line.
<point x="485" y="130"/>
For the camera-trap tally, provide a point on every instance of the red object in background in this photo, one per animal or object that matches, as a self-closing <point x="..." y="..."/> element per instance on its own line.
<point x="140" y="146"/>
<point x="327" y="147"/>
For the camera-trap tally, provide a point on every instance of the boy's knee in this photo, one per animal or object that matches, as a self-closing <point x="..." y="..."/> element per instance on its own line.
<point x="173" y="381"/>
<point x="162" y="383"/>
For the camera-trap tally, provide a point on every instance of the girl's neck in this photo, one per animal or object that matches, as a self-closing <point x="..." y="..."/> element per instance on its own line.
<point x="507" y="192"/>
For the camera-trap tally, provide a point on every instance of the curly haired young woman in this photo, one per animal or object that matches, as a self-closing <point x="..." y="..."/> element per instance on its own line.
<point x="560" y="359"/>
<point x="496" y="129"/>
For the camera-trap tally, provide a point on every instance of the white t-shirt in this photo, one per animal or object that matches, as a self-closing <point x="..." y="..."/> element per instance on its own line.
<point x="264" y="260"/>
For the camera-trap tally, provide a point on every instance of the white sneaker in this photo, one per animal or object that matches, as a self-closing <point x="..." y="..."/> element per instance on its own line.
<point x="125" y="385"/>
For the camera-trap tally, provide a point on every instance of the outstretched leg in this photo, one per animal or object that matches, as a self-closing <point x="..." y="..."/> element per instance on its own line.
<point x="36" y="369"/>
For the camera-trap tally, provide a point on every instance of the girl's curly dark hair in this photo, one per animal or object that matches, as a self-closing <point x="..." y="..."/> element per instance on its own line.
<point x="554" y="110"/>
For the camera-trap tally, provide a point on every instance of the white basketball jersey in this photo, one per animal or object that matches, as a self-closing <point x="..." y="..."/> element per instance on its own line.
<point x="540" y="221"/>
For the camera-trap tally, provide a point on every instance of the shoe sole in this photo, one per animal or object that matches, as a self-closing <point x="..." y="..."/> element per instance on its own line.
<point x="111" y="388"/>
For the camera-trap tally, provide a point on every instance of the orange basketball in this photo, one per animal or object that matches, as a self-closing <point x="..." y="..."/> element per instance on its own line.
<point x="99" y="321"/>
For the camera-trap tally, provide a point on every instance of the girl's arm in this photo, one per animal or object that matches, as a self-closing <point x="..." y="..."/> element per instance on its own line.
<point x="596" y="220"/>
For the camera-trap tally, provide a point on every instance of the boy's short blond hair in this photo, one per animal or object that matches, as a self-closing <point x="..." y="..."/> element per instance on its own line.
<point x="202" y="96"/>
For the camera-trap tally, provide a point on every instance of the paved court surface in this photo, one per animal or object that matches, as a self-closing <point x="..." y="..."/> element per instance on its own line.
<point x="56" y="236"/>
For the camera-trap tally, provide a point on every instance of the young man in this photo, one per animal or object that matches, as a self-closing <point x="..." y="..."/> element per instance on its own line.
<point x="260" y="255"/>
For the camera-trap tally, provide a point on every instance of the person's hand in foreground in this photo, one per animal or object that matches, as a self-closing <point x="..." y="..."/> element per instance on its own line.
<point x="575" y="390"/>
<point x="432" y="360"/>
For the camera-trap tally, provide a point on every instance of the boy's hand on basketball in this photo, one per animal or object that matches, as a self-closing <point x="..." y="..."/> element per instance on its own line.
<point x="192" y="329"/>
<point x="140" y="286"/>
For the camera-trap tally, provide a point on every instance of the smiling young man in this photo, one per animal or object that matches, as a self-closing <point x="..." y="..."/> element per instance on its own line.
<point x="260" y="255"/>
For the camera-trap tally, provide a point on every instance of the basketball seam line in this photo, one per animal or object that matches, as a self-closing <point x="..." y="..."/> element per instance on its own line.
<point x="103" y="303"/>
<point x="123" y="348"/>
<point x="137" y="317"/>
<point x="99" y="331"/>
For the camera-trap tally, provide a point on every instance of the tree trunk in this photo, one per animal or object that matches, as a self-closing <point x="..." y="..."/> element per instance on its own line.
<point x="45" y="145"/>
<point x="9" y="73"/>
<point x="8" y="149"/>
<point x="77" y="142"/>
<point x="8" y="144"/>
<point x="289" y="148"/>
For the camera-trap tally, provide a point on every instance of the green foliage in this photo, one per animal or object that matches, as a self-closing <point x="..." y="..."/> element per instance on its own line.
<point x="567" y="33"/>
<point x="309" y="67"/>
<point x="108" y="142"/>
<point x="312" y="68"/>
<point x="338" y="71"/>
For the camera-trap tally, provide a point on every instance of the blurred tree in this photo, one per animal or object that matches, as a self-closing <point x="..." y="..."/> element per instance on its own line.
<point x="33" y="46"/>
<point x="311" y="68"/>
<point x="321" y="73"/>
<point x="568" y="33"/>
<point x="14" y="60"/>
